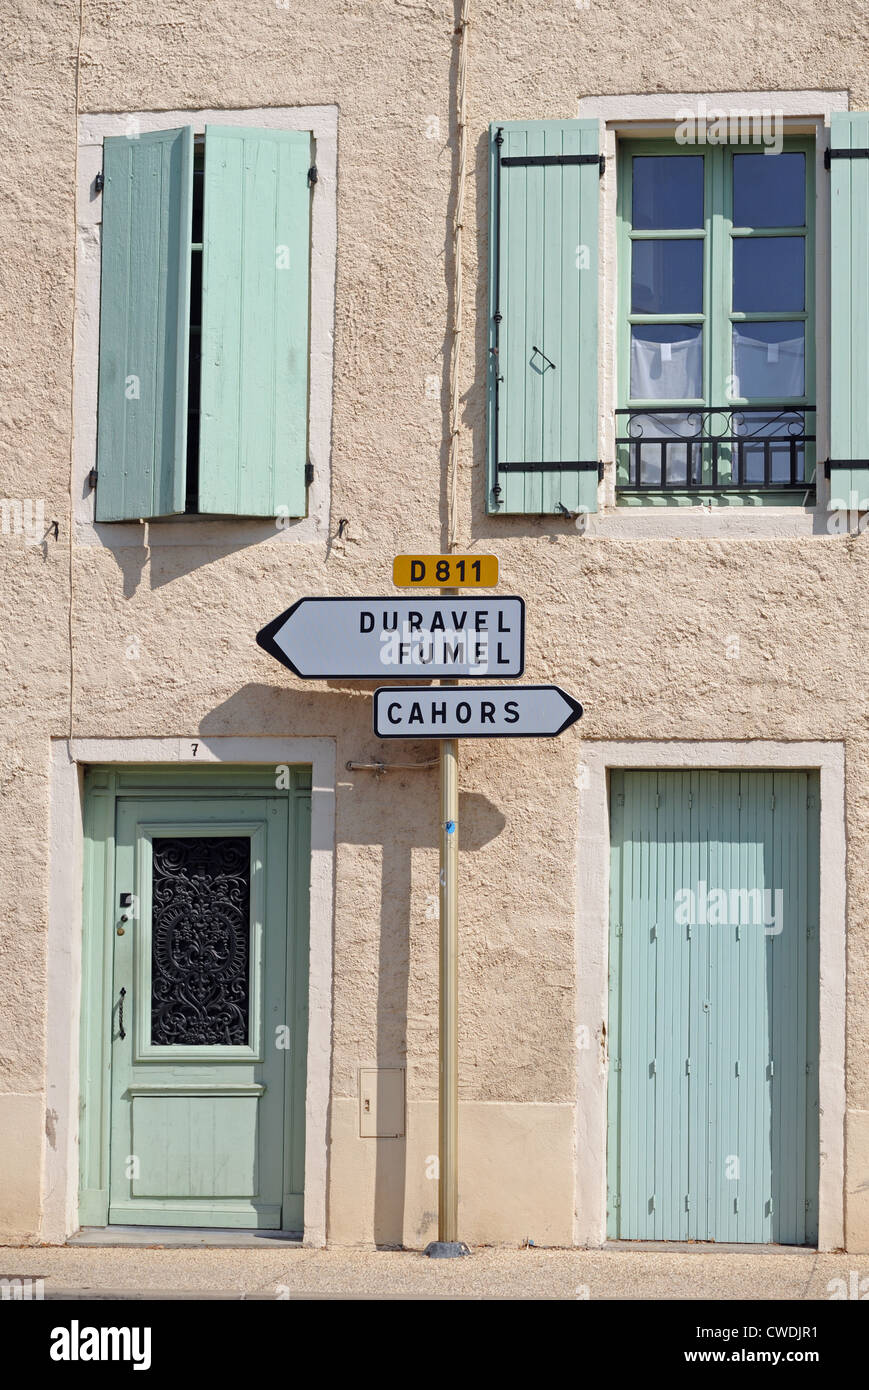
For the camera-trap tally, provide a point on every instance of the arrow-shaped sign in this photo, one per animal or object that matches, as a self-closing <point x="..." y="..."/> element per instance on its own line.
<point x="391" y="638"/>
<point x="475" y="711"/>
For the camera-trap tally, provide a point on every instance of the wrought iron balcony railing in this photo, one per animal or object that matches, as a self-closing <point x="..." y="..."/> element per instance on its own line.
<point x="715" y="448"/>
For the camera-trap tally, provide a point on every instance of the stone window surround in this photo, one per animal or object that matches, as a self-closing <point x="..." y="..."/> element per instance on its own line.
<point x="313" y="528"/>
<point x="632" y="116"/>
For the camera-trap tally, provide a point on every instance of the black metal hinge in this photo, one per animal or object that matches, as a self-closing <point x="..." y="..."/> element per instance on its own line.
<point x="844" y="463"/>
<point x="99" y="182"/>
<point x="312" y="175"/>
<point x="525" y="160"/>
<point x="92" y="478"/>
<point x="309" y="474"/>
<point x="844" y="154"/>
<point x="575" y="466"/>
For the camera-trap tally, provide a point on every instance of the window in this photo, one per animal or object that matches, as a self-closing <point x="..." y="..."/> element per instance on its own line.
<point x="716" y="368"/>
<point x="204" y="324"/>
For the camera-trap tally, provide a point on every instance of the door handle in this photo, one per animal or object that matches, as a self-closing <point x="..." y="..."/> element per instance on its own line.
<point x="121" y="1030"/>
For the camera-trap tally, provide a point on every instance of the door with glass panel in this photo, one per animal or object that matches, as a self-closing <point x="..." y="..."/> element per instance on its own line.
<point x="716" y="293"/>
<point x="200" y="988"/>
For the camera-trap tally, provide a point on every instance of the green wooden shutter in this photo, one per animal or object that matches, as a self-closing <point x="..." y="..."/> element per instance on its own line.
<point x="713" y="1019"/>
<point x="144" y="325"/>
<point x="256" y="253"/>
<point x="543" y="359"/>
<point x="849" y="314"/>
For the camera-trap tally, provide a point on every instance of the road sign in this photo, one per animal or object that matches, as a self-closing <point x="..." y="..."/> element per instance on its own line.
<point x="475" y="711"/>
<point x="389" y="638"/>
<point x="449" y="571"/>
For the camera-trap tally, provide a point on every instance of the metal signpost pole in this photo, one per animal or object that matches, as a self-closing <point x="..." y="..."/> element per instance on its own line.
<point x="448" y="1048"/>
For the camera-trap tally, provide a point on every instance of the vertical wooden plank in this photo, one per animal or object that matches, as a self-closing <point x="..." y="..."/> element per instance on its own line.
<point x="586" y="352"/>
<point x="813" y="895"/>
<point x="556" y="282"/>
<point x="256" y="263"/>
<point x="538" y="187"/>
<point x="616" y="982"/>
<point x="144" y="325"/>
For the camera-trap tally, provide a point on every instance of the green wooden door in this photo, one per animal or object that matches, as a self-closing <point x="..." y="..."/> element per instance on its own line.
<point x="713" y="1017"/>
<point x="200" y="1027"/>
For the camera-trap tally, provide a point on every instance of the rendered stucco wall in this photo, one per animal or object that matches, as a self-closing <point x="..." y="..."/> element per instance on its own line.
<point x="639" y="630"/>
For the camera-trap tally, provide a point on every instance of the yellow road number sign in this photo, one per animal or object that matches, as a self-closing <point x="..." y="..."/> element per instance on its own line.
<point x="449" y="571"/>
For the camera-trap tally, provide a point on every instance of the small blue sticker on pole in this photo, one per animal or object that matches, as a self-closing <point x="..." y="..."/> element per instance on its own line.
<point x="450" y="827"/>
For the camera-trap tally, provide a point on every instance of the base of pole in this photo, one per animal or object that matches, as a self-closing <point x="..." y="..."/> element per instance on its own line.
<point x="446" y="1249"/>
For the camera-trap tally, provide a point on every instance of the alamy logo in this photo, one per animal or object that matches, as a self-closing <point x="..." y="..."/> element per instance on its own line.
<point x="23" y="517"/>
<point x="76" y="1343"/>
<point x="735" y="907"/>
<point x="701" y="126"/>
<point x="21" y="1288"/>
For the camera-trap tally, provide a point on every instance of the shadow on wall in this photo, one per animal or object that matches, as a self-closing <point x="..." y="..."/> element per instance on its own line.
<point x="397" y="811"/>
<point x="399" y="834"/>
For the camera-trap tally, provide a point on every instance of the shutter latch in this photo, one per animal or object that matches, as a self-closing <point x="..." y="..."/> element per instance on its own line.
<point x="312" y="175"/>
<point x="92" y="478"/>
<point x="99" y="182"/>
<point x="309" y="474"/>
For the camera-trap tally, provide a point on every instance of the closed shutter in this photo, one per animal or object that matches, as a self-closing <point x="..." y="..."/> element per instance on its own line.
<point x="256" y="253"/>
<point x="713" y="1020"/>
<point x="849" y="314"/>
<point x="144" y="325"/>
<point x="543" y="388"/>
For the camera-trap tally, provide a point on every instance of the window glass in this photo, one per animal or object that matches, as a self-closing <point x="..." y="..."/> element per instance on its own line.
<point x="667" y="192"/>
<point x="769" y="359"/>
<point x="667" y="277"/>
<point x="666" y="361"/>
<point x="769" y="274"/>
<point x="769" y="190"/>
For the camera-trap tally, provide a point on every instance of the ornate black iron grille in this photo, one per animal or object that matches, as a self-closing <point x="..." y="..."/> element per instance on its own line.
<point x="200" y="941"/>
<point x="715" y="448"/>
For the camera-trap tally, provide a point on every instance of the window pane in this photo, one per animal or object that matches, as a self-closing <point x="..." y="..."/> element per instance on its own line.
<point x="667" y="191"/>
<point x="647" y="432"/>
<point x="769" y="273"/>
<point x="769" y="190"/>
<point x="666" y="361"/>
<point x="667" y="277"/>
<point x="769" y="359"/>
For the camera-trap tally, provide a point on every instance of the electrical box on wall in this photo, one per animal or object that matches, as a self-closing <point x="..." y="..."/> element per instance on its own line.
<point x="381" y="1102"/>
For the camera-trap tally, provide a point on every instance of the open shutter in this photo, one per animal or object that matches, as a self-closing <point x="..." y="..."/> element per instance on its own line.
<point x="144" y="324"/>
<point x="253" y="442"/>
<point x="849" y="312"/>
<point x="543" y="359"/>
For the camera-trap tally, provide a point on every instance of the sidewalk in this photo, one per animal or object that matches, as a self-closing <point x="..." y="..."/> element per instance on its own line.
<point x="340" y="1272"/>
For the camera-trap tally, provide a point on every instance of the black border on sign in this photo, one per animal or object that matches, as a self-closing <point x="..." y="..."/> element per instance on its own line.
<point x="266" y="636"/>
<point x="575" y="709"/>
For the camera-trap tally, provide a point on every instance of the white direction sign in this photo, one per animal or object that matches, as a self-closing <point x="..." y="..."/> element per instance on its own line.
<point x="391" y="638"/>
<point x="474" y="711"/>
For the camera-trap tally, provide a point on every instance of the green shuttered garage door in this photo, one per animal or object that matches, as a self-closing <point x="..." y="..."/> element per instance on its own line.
<point x="713" y="1084"/>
